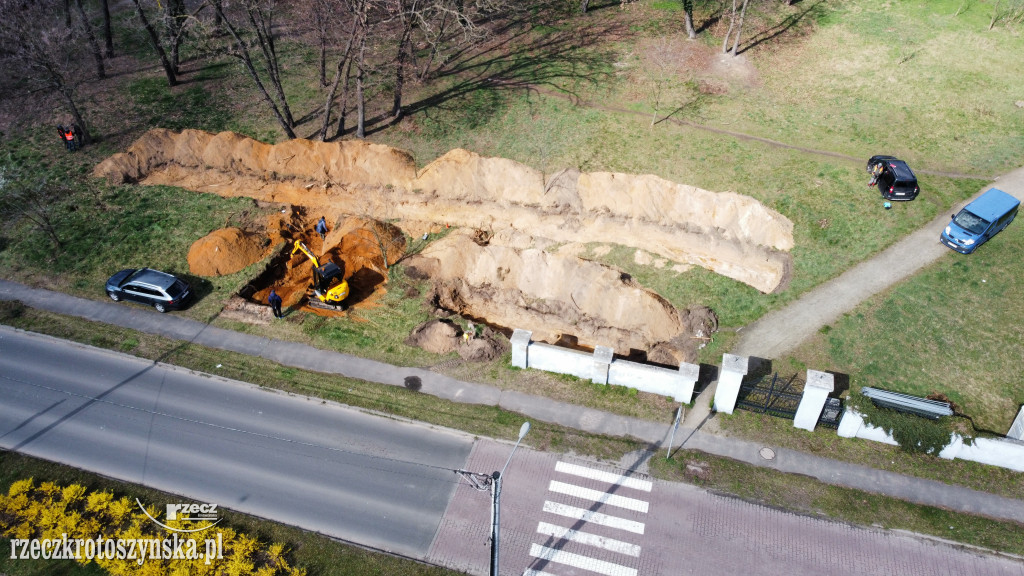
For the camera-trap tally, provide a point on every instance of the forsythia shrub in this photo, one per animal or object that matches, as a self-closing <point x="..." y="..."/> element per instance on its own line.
<point x="53" y="512"/>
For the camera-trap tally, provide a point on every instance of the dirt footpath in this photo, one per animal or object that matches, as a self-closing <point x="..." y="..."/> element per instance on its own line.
<point x="781" y="331"/>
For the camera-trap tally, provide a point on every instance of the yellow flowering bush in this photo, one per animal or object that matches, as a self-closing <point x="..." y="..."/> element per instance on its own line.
<point x="68" y="516"/>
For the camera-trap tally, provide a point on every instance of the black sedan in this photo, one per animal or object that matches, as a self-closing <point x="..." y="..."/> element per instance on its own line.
<point x="160" y="290"/>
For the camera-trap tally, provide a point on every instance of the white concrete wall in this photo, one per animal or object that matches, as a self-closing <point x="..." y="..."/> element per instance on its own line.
<point x="603" y="368"/>
<point x="653" y="379"/>
<point x="562" y="360"/>
<point x="992" y="451"/>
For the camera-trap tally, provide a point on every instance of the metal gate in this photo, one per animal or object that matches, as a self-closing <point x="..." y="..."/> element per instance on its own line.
<point x="780" y="397"/>
<point x="771" y="394"/>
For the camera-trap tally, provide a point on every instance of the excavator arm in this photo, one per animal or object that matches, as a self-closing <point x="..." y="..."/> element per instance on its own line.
<point x="329" y="285"/>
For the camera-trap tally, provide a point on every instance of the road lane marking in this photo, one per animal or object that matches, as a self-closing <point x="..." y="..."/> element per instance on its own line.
<point x="608" y="477"/>
<point x="598" y="496"/>
<point x="579" y="561"/>
<point x="589" y="539"/>
<point x="595" y="517"/>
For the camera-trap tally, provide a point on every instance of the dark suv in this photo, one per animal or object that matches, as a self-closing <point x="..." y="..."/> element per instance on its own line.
<point x="895" y="180"/>
<point x="158" y="289"/>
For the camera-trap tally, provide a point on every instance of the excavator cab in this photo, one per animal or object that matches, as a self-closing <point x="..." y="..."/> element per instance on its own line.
<point x="329" y="286"/>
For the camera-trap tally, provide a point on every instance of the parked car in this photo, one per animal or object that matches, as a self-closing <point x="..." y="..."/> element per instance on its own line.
<point x="980" y="220"/>
<point x="895" y="180"/>
<point x="158" y="289"/>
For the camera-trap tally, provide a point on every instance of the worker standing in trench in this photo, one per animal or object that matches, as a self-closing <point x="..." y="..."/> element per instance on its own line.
<point x="321" y="229"/>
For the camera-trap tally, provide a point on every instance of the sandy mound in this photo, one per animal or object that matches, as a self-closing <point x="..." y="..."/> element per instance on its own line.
<point x="437" y="336"/>
<point x="728" y="233"/>
<point x="443" y="336"/>
<point x="554" y="295"/>
<point x="225" y="251"/>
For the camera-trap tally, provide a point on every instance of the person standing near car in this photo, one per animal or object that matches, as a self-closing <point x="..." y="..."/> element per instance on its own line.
<point x="275" y="303"/>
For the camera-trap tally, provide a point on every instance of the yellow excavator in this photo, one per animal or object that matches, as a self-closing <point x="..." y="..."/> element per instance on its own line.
<point x="329" y="286"/>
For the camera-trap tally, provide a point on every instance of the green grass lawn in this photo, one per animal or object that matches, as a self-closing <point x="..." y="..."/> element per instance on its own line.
<point x="937" y="90"/>
<point x="953" y="328"/>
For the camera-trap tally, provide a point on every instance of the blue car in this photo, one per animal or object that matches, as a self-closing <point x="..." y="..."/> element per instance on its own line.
<point x="158" y="289"/>
<point x="980" y="220"/>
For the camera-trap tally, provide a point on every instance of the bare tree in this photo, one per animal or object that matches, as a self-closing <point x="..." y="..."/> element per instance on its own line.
<point x="688" y="19"/>
<point x="169" y="70"/>
<point x="42" y="53"/>
<point x="252" y="25"/>
<point x="344" y="10"/>
<point x="107" y="37"/>
<point x="174" y="18"/>
<point x="734" y="24"/>
<point x="94" y="46"/>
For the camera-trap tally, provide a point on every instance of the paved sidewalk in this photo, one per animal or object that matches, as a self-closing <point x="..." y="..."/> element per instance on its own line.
<point x="544" y="409"/>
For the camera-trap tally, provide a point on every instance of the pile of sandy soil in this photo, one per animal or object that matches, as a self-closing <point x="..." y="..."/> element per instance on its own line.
<point x="226" y="251"/>
<point x="556" y="295"/>
<point x="728" y="233"/>
<point x="500" y="273"/>
<point x="444" y="336"/>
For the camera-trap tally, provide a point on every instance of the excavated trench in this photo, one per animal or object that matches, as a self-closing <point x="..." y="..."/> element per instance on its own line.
<point x="495" y="265"/>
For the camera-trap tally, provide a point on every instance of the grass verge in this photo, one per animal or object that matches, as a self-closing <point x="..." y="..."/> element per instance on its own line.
<point x="319" y="555"/>
<point x="728" y="476"/>
<point x="808" y="496"/>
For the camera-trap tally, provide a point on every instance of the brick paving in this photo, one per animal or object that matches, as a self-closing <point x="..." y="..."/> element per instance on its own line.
<point x="685" y="530"/>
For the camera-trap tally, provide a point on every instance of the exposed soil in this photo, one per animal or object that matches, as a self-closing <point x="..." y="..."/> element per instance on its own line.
<point x="354" y="244"/>
<point x="444" y="336"/>
<point x="494" y="269"/>
<point x="226" y="251"/>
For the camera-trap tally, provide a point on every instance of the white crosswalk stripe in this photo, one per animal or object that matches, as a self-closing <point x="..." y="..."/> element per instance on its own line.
<point x="579" y="561"/>
<point x="595" y="517"/>
<point x="570" y="541"/>
<point x="598" y="496"/>
<point x="588" y="539"/>
<point x="625" y="481"/>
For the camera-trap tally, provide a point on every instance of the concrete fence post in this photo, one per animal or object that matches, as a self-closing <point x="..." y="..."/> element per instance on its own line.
<point x="816" y="390"/>
<point x="603" y="356"/>
<point x="688" y="376"/>
<point x="520" y="348"/>
<point x="734" y="368"/>
<point x="1017" y="429"/>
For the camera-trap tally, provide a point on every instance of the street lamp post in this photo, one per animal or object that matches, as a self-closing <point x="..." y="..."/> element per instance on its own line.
<point x="492" y="482"/>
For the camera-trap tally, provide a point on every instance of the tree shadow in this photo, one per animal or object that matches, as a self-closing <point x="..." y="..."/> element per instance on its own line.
<point x="558" y="59"/>
<point x="788" y="23"/>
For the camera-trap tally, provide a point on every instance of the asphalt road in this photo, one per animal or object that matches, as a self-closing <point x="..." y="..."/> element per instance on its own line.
<point x="376" y="481"/>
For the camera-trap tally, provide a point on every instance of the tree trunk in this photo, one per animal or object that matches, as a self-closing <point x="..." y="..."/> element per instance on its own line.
<point x="403" y="49"/>
<point x="174" y="11"/>
<point x="330" y="98"/>
<point x="360" y="96"/>
<point x="343" y="110"/>
<point x="108" y="38"/>
<point x="243" y="54"/>
<point x="728" y="33"/>
<point x="688" y="19"/>
<point x="93" y="44"/>
<point x="76" y="114"/>
<point x="344" y="64"/>
<point x="168" y="70"/>
<point x="584" y="4"/>
<point x="739" y="28"/>
<point x="266" y="41"/>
